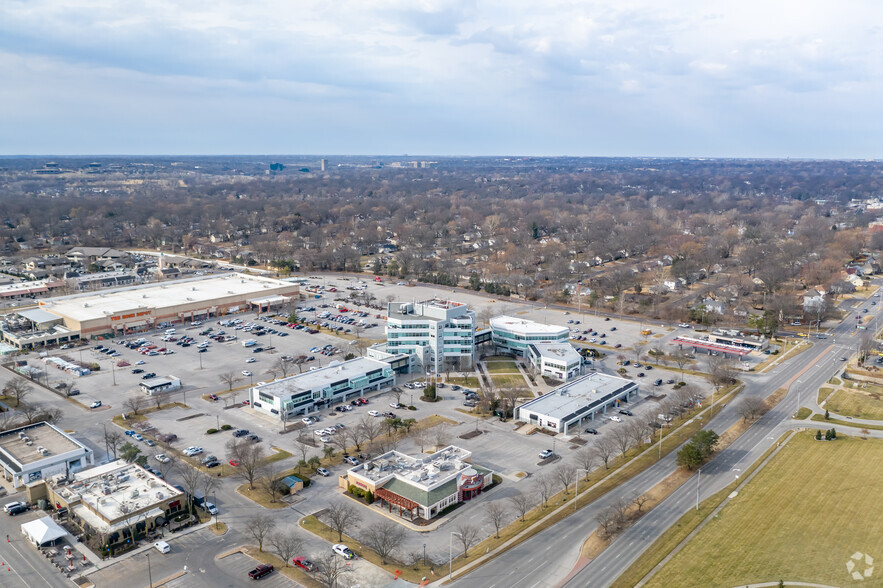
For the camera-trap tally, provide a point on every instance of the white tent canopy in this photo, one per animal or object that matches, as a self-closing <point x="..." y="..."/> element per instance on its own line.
<point x="42" y="531"/>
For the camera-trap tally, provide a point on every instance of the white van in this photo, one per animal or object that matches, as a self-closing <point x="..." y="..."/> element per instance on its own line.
<point x="162" y="547"/>
<point x="170" y="331"/>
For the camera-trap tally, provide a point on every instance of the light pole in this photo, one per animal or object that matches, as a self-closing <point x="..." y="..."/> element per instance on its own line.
<point x="698" y="477"/>
<point x="113" y="371"/>
<point x="798" y="397"/>
<point x="660" y="442"/>
<point x="424" y="555"/>
<point x="451" y="554"/>
<point x="149" y="574"/>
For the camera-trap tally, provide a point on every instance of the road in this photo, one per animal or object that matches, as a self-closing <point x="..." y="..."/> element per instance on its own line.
<point x="547" y="558"/>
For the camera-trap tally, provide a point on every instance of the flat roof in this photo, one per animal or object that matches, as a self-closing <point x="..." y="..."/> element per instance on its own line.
<point x="579" y="396"/>
<point x="519" y="325"/>
<point x="23" y="449"/>
<point x="160" y="295"/>
<point x="321" y="377"/>
<point x="32" y="286"/>
<point x="38" y="315"/>
<point x="560" y="351"/>
<point x="118" y="489"/>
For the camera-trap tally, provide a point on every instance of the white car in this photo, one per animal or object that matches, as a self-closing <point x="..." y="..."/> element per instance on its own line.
<point x="546" y="454"/>
<point x="161" y="458"/>
<point x="684" y="325"/>
<point x="211" y="508"/>
<point x="307" y="421"/>
<point x="246" y="373"/>
<point x="395" y="405"/>
<point x="343" y="551"/>
<point x="191" y="451"/>
<point x="616" y="419"/>
<point x="374" y="413"/>
<point x="325" y="439"/>
<point x="95" y="404"/>
<point x="140" y="362"/>
<point x="250" y="360"/>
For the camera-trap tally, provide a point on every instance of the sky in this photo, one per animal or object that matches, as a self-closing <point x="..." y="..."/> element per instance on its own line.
<point x="710" y="78"/>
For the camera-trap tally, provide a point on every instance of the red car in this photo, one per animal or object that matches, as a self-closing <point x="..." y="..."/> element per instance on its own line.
<point x="304" y="564"/>
<point x="260" y="571"/>
<point x="363" y="401"/>
<point x="234" y="462"/>
<point x="213" y="397"/>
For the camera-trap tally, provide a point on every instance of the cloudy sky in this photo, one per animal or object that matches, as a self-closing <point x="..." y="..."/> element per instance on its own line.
<point x="746" y="78"/>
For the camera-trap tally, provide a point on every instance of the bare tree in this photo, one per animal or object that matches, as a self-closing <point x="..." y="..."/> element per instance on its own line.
<point x="303" y="447"/>
<point x="586" y="458"/>
<point x="286" y="544"/>
<point x="467" y="536"/>
<point x="135" y="404"/>
<point x="370" y="427"/>
<point x="545" y="487"/>
<point x="606" y="520"/>
<point x="113" y="439"/>
<point x="18" y="389"/>
<point x="422" y="437"/>
<point x="495" y="513"/>
<point x="639" y="500"/>
<point x="384" y="538"/>
<point x="330" y="568"/>
<point x="751" y="408"/>
<point x="158" y="398"/>
<point x="397" y="393"/>
<point x="283" y="365"/>
<point x="681" y="357"/>
<point x="521" y="503"/>
<point x="250" y="457"/>
<point x="192" y="479"/>
<point x="260" y="527"/>
<point x="622" y="439"/>
<point x="636" y="430"/>
<point x="228" y="378"/>
<point x="269" y="481"/>
<point x="605" y="448"/>
<point x="565" y="475"/>
<point x="442" y="435"/>
<point x="639" y="348"/>
<point x="341" y="517"/>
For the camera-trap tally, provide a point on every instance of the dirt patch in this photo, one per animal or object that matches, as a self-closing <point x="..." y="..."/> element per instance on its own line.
<point x="192" y="416"/>
<point x="470" y="435"/>
<point x="577" y="443"/>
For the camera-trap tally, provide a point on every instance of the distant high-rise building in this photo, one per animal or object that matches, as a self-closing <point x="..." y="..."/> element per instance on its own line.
<point x="323" y="163"/>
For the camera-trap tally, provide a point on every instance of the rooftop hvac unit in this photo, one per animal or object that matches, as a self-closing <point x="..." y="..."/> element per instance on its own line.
<point x="160" y="496"/>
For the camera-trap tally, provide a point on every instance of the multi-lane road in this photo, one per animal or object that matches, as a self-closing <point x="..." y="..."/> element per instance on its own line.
<point x="549" y="558"/>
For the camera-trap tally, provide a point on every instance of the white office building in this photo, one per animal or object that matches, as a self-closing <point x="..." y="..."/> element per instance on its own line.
<point x="513" y="335"/>
<point x="38" y="451"/>
<point x="566" y="408"/>
<point x="436" y="331"/>
<point x="559" y="361"/>
<point x="310" y="391"/>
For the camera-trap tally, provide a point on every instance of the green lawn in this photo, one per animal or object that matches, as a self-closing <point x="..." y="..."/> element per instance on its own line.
<point x="509" y="381"/>
<point x="501" y="366"/>
<point x="863" y="404"/>
<point x="782" y="525"/>
<point x="824" y="392"/>
<point x="803" y="413"/>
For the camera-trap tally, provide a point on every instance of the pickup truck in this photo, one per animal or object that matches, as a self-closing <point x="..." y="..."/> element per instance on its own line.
<point x="260" y="571"/>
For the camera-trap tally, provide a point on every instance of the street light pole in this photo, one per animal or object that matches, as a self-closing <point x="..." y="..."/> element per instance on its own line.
<point x="451" y="554"/>
<point x="698" y="477"/>
<point x="149" y="574"/>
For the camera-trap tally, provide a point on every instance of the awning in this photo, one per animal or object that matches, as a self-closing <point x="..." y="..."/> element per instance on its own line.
<point x="42" y="531"/>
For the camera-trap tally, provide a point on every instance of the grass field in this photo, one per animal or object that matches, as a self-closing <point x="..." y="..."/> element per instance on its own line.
<point x="508" y="381"/>
<point x="803" y="413"/>
<point x="781" y="526"/>
<point x="501" y="366"/>
<point x="824" y="392"/>
<point x="863" y="404"/>
<point x="468" y="381"/>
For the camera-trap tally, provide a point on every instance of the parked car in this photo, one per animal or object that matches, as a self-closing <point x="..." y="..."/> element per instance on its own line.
<point x="627" y="413"/>
<point x="592" y="431"/>
<point x="351" y="460"/>
<point x="246" y="373"/>
<point x="162" y="458"/>
<point x="95" y="404"/>
<point x="260" y="571"/>
<point x="373" y="413"/>
<point x="211" y="508"/>
<point x="16" y="510"/>
<point x="615" y="419"/>
<point x="546" y="454"/>
<point x="343" y="551"/>
<point x="323" y="472"/>
<point x="193" y="450"/>
<point x="304" y="564"/>
<point x="240" y="432"/>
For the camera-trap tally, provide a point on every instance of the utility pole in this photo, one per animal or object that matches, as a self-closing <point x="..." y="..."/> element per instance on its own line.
<point x="698" y="477"/>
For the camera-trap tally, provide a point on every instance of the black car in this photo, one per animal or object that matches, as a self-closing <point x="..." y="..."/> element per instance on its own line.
<point x="592" y="431"/>
<point x="18" y="509"/>
<point x="148" y="376"/>
<point x="627" y="412"/>
<point x="254" y="438"/>
<point x="257" y="349"/>
<point x="240" y="432"/>
<point x="137" y="371"/>
<point x="640" y="374"/>
<point x="203" y="350"/>
<point x="212" y="464"/>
